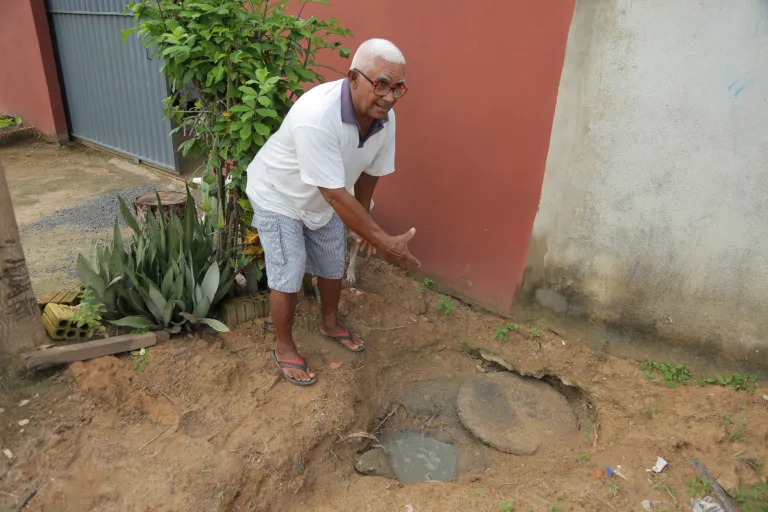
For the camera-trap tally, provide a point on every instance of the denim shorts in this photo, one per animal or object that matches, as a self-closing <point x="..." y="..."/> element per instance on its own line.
<point x="292" y="250"/>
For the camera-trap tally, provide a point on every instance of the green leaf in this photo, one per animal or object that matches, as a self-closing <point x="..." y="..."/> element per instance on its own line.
<point x="267" y="112"/>
<point x="135" y="322"/>
<point x="156" y="303"/>
<point x="128" y="217"/>
<point x="223" y="289"/>
<point x="210" y="282"/>
<point x="126" y="32"/>
<point x="214" y="324"/>
<point x="244" y="145"/>
<point x="261" y="129"/>
<point x="250" y="91"/>
<point x="265" y="102"/>
<point x="202" y="307"/>
<point x="246" y="131"/>
<point x="167" y="284"/>
<point x="245" y="204"/>
<point x="168" y="312"/>
<point x="721" y="379"/>
<point x="90" y="278"/>
<point x="261" y="74"/>
<point x="752" y="377"/>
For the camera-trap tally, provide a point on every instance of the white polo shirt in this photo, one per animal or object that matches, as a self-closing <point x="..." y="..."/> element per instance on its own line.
<point x="318" y="145"/>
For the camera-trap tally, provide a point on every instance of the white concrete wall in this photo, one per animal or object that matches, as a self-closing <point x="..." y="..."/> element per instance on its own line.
<point x="654" y="212"/>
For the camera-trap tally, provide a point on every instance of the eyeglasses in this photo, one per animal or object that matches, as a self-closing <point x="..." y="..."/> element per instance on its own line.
<point x="381" y="89"/>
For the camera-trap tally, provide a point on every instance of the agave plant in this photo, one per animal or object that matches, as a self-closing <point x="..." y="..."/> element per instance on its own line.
<point x="169" y="277"/>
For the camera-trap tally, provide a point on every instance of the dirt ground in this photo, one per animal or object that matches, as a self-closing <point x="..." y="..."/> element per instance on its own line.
<point x="207" y="425"/>
<point x="46" y="180"/>
<point x="204" y="423"/>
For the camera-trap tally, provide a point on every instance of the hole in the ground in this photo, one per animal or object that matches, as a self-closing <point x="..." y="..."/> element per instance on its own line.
<point x="416" y="457"/>
<point x="442" y="429"/>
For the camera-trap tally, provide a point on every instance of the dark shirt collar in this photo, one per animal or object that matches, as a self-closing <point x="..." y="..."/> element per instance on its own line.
<point x="348" y="114"/>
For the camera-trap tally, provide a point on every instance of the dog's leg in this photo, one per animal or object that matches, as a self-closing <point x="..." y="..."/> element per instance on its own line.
<point x="351" y="278"/>
<point x="353" y="250"/>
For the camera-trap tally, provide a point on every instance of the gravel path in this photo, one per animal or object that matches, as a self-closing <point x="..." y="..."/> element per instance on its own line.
<point x="96" y="215"/>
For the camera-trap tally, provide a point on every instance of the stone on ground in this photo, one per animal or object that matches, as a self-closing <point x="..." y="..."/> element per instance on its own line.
<point x="514" y="414"/>
<point x="375" y="463"/>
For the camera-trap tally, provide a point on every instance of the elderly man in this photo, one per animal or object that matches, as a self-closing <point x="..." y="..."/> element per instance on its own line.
<point x="318" y="173"/>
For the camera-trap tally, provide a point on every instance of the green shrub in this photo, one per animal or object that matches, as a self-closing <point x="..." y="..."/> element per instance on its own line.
<point x="169" y="276"/>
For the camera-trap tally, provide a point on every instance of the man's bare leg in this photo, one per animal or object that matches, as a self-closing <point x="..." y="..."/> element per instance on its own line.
<point x="330" y="293"/>
<point x="283" y="307"/>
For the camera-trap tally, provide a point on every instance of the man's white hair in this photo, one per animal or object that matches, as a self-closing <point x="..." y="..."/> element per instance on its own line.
<point x="373" y="49"/>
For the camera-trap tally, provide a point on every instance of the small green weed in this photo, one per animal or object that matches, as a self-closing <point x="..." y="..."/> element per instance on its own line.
<point x="651" y="411"/>
<point x="753" y="499"/>
<point x="614" y="485"/>
<point x="735" y="381"/>
<point x="553" y="507"/>
<point x="534" y="332"/>
<point x="696" y="486"/>
<point x="507" y="506"/>
<point x="500" y="333"/>
<point x="663" y="484"/>
<point x="671" y="374"/>
<point x="336" y="420"/>
<point x="584" y="457"/>
<point x="88" y="315"/>
<point x="445" y="304"/>
<point x="426" y="284"/>
<point x="737" y="434"/>
<point x="10" y="121"/>
<point x="140" y="359"/>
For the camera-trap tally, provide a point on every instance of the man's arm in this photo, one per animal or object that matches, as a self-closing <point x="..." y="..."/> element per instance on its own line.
<point x="364" y="188"/>
<point x="321" y="165"/>
<point x="392" y="248"/>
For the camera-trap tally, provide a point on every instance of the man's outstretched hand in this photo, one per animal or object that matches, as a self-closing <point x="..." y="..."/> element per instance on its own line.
<point x="395" y="250"/>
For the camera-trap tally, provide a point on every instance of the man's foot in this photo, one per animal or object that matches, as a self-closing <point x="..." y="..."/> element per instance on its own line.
<point x="341" y="334"/>
<point x="294" y="368"/>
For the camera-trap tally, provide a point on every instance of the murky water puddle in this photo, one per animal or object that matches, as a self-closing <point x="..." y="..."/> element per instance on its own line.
<point x="418" y="458"/>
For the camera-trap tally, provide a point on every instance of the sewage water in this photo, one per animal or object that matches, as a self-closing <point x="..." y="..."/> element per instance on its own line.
<point x="418" y="458"/>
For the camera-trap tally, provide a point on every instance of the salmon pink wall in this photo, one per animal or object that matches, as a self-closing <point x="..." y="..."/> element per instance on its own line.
<point x="473" y="130"/>
<point x="29" y="85"/>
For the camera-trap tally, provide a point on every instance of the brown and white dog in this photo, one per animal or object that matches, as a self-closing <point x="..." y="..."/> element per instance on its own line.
<point x="353" y="248"/>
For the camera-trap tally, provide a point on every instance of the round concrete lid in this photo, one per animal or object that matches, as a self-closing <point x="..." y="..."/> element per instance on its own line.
<point x="514" y="414"/>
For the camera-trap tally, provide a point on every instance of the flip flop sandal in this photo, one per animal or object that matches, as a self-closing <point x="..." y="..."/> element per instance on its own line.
<point x="344" y="337"/>
<point x="299" y="365"/>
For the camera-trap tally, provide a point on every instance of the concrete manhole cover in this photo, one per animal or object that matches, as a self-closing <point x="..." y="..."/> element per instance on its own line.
<point x="514" y="414"/>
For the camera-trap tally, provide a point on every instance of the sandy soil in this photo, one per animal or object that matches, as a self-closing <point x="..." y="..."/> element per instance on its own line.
<point x="209" y="426"/>
<point x="45" y="179"/>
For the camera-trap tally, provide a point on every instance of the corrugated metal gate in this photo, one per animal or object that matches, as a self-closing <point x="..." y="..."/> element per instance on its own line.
<point x="113" y="91"/>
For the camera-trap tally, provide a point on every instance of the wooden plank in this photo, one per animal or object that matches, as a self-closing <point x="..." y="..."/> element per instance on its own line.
<point x="89" y="350"/>
<point x="722" y="496"/>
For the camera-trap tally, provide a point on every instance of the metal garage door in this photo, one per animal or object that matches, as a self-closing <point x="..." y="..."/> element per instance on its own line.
<point x="113" y="91"/>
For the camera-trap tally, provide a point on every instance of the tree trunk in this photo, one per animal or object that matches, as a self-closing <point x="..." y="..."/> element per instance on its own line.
<point x="21" y="327"/>
<point x="172" y="202"/>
